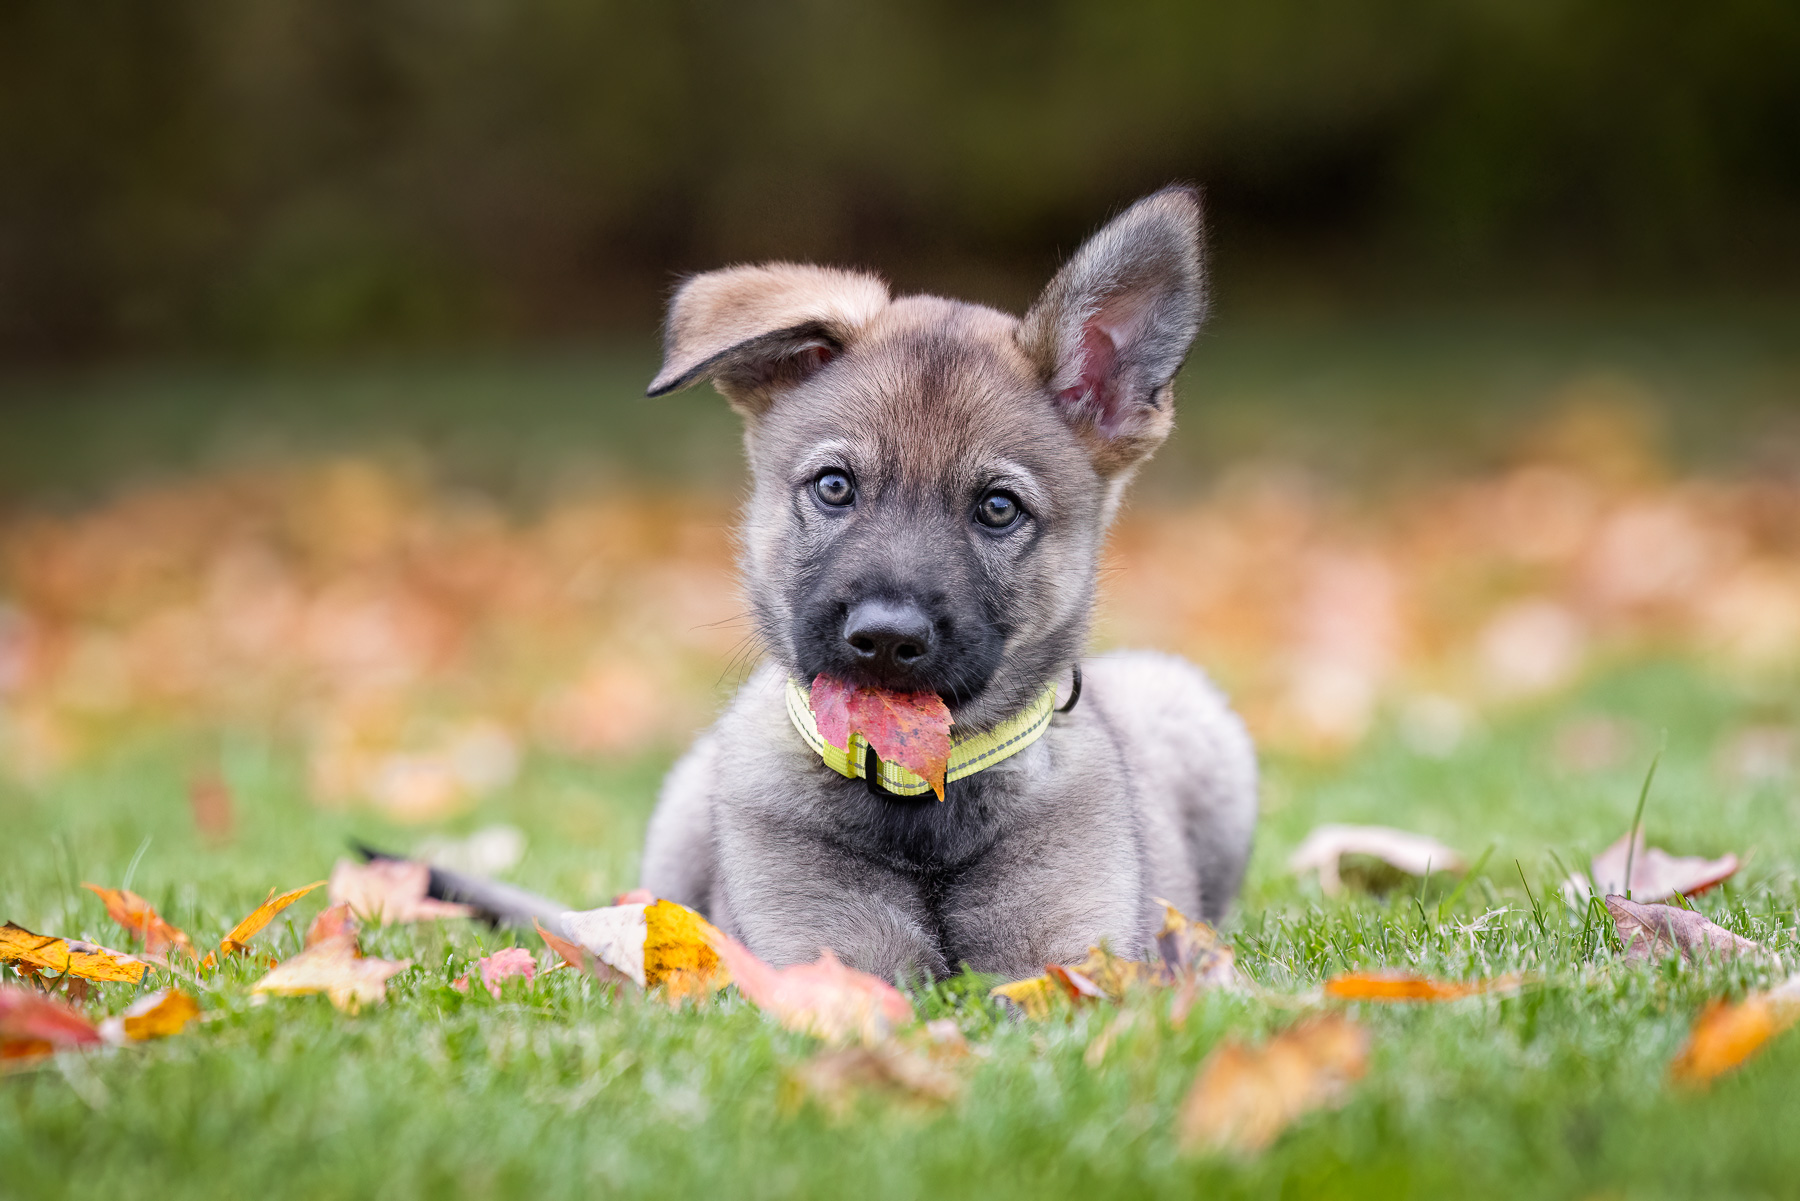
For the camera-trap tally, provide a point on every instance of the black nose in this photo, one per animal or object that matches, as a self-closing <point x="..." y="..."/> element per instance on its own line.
<point x="888" y="634"/>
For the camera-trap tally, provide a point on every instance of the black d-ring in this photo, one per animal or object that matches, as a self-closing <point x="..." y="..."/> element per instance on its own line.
<point x="1074" y="692"/>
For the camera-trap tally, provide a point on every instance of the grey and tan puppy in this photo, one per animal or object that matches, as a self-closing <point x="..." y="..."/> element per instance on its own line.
<point x="932" y="485"/>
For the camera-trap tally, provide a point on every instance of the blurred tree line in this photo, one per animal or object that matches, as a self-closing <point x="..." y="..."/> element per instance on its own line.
<point x="194" y="175"/>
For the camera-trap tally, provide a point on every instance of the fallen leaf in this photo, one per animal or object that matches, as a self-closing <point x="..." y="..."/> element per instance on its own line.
<point x="241" y="934"/>
<point x="141" y="920"/>
<point x="826" y="999"/>
<point x="1655" y="874"/>
<point x="1245" y="1096"/>
<point x="501" y="965"/>
<point x="1075" y="982"/>
<point x="1653" y="931"/>
<point x="154" y="1015"/>
<point x="332" y="922"/>
<point x="390" y="891"/>
<point x="336" y="967"/>
<point x="1193" y="950"/>
<point x="911" y="729"/>
<point x="1324" y="849"/>
<point x="1032" y="995"/>
<point x="1725" y="1035"/>
<point x="836" y="1077"/>
<point x="68" y="956"/>
<point x="1402" y="985"/>
<point x="661" y="943"/>
<point x="33" y="1025"/>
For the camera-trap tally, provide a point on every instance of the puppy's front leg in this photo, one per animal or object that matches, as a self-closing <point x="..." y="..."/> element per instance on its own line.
<point x="787" y="895"/>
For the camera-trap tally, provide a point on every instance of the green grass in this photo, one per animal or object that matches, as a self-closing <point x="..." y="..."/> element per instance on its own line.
<point x="565" y="1089"/>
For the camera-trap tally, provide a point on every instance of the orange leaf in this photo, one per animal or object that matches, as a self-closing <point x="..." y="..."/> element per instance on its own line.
<point x="32" y="1025"/>
<point x="1401" y="985"/>
<point x="140" y="918"/>
<point x="70" y="957"/>
<point x="332" y="922"/>
<point x="911" y="729"/>
<point x="1726" y="1035"/>
<point x="1245" y="1096"/>
<point x="264" y="913"/>
<point x="1074" y="981"/>
<point x="826" y="998"/>
<point x="157" y="1015"/>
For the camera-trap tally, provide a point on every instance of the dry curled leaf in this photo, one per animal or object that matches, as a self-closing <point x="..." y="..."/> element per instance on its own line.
<point x="141" y="920"/>
<point x="1656" y="875"/>
<point x="826" y="999"/>
<point x="154" y="1015"/>
<point x="238" y="940"/>
<point x="1654" y="931"/>
<point x="908" y="728"/>
<point x="1726" y="1034"/>
<point x="33" y="1025"/>
<point x="334" y="966"/>
<point x="1032" y="995"/>
<point x="1193" y="950"/>
<point x="658" y="944"/>
<point x="67" y="956"/>
<point x="1324" y="850"/>
<point x="389" y="891"/>
<point x="1245" y="1096"/>
<point x="1403" y="985"/>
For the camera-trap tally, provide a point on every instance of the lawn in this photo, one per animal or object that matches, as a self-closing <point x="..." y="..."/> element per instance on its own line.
<point x="564" y="1087"/>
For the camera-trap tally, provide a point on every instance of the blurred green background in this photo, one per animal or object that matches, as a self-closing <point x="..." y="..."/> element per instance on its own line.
<point x="202" y="178"/>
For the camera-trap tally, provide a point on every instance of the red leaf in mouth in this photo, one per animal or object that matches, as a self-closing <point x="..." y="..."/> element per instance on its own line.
<point x="908" y="728"/>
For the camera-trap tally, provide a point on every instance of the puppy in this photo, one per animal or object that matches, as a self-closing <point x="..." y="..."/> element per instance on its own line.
<point x="932" y="483"/>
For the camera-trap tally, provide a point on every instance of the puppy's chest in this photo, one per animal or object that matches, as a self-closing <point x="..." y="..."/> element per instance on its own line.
<point x="923" y="834"/>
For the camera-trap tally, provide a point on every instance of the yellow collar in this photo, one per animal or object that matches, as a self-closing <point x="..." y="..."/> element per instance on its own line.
<point x="967" y="755"/>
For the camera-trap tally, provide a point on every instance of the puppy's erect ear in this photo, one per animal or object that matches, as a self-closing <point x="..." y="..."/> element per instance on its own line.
<point x="759" y="330"/>
<point x="1113" y="327"/>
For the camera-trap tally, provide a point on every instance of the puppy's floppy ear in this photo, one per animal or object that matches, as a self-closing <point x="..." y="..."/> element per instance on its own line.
<point x="759" y="330"/>
<point x="1113" y="327"/>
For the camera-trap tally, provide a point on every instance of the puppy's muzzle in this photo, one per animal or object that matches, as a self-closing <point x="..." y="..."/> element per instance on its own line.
<point x="890" y="638"/>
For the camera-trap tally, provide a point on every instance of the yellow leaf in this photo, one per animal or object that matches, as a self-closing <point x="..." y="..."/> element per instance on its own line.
<point x="1032" y="995"/>
<point x="70" y="957"/>
<point x="659" y="943"/>
<point x="264" y="913"/>
<point x="158" y="1015"/>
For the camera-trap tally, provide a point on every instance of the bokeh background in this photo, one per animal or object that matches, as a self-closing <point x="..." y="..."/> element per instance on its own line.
<point x="325" y="477"/>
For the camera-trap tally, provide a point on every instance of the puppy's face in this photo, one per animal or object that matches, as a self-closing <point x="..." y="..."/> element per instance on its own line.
<point x="932" y="480"/>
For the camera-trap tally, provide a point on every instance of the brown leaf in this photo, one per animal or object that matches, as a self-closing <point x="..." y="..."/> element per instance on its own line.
<point x="241" y="934"/>
<point x="1653" y="931"/>
<point x="835" y="1078"/>
<point x="337" y="968"/>
<point x="1403" y="985"/>
<point x="1192" y="950"/>
<point x="1245" y="1096"/>
<point x="71" y="957"/>
<point x="1655" y="874"/>
<point x="1726" y="1035"/>
<point x="32" y="1025"/>
<point x="1324" y="849"/>
<point x="332" y="922"/>
<point x="141" y="920"/>
<point x="825" y="999"/>
<point x="911" y="729"/>
<point x="390" y="891"/>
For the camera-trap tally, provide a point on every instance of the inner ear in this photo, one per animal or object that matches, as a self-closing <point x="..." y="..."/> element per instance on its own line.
<point x="776" y="363"/>
<point x="1098" y="387"/>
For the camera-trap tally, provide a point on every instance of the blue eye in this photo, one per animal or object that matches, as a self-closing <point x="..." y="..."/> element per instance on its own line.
<point x="998" y="510"/>
<point x="835" y="489"/>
